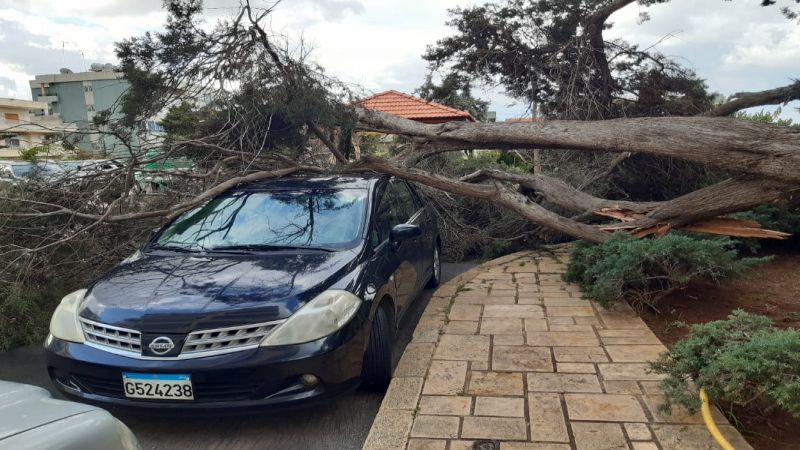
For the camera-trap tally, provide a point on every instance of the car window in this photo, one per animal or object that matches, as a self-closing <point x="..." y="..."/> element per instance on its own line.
<point x="396" y="205"/>
<point x="303" y="218"/>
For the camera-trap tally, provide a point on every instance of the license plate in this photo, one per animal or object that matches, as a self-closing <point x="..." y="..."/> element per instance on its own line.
<point x="157" y="386"/>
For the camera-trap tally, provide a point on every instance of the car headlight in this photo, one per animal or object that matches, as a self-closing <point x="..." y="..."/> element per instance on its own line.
<point x="64" y="323"/>
<point x="323" y="315"/>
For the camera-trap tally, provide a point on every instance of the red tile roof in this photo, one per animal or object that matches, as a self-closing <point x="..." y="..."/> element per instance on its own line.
<point x="413" y="108"/>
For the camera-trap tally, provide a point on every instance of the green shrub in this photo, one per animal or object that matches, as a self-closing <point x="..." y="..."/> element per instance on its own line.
<point x="743" y="361"/>
<point x="25" y="313"/>
<point x="642" y="271"/>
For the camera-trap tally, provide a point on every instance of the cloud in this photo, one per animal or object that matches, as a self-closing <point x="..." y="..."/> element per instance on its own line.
<point x="336" y="9"/>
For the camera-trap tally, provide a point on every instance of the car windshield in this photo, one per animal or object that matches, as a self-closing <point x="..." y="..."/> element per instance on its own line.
<point x="318" y="218"/>
<point x="26" y="170"/>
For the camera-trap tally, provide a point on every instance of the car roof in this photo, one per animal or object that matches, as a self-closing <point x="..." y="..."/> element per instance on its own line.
<point x="315" y="181"/>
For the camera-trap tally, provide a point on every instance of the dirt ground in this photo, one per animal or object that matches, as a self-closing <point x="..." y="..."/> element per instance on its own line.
<point x="772" y="290"/>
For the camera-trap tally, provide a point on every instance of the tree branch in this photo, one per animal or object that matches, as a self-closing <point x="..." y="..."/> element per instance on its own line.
<point x="734" y="145"/>
<point x="744" y="100"/>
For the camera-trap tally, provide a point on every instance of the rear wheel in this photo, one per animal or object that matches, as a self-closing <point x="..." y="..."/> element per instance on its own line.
<point x="436" y="277"/>
<point x="377" y="371"/>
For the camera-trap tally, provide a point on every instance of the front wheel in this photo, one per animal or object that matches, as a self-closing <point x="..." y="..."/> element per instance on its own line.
<point x="377" y="372"/>
<point x="436" y="277"/>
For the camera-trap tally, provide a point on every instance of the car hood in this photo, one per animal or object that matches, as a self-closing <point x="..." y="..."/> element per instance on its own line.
<point x="179" y="293"/>
<point x="24" y="407"/>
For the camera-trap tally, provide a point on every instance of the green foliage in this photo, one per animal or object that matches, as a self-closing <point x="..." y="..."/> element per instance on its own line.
<point x="25" y="313"/>
<point x="763" y="116"/>
<point x="742" y="360"/>
<point x="454" y="91"/>
<point x="32" y="154"/>
<point x="642" y="271"/>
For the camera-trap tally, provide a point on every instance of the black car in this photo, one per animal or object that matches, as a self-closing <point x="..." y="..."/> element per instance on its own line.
<point x="273" y="293"/>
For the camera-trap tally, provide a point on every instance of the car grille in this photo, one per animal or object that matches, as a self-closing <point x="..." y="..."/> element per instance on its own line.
<point x="208" y="390"/>
<point x="198" y="343"/>
<point x="231" y="338"/>
<point x="115" y="337"/>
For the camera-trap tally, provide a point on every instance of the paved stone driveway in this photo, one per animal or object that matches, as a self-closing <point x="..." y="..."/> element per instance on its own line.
<point x="509" y="354"/>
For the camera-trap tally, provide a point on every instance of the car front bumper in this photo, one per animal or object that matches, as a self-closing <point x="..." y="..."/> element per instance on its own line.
<point x="265" y="377"/>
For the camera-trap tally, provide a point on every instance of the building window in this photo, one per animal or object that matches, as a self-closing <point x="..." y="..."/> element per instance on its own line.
<point x="90" y="108"/>
<point x="11" y="117"/>
<point x="87" y="88"/>
<point x="12" y="142"/>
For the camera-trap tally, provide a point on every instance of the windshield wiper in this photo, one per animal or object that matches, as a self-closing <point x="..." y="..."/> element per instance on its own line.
<point x="175" y="248"/>
<point x="268" y="247"/>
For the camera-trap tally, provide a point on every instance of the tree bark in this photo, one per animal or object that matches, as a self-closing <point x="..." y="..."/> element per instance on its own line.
<point x="744" y="100"/>
<point x="738" y="146"/>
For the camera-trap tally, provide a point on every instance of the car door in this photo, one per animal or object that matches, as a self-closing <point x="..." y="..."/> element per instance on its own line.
<point x="422" y="252"/>
<point x="392" y="210"/>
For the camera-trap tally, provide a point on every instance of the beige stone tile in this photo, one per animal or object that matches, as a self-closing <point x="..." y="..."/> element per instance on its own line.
<point x="535" y="325"/>
<point x="494" y="428"/>
<point x="462" y="348"/>
<point x="415" y="360"/>
<point x="508" y="339"/>
<point x="428" y="328"/>
<point x="569" y="311"/>
<point x="527" y="298"/>
<point x="494" y="384"/>
<point x="634" y="353"/>
<point x="488" y="300"/>
<point x="560" y="301"/>
<point x="621" y="387"/>
<point x="563" y="382"/>
<point x="462" y="445"/>
<point x="389" y="430"/>
<point x="501" y="326"/>
<point x="642" y="340"/>
<point x="445" y="378"/>
<point x="427" y="444"/>
<point x="479" y="365"/>
<point x="465" y="312"/>
<point x="436" y="305"/>
<point x="560" y="321"/>
<point x="627" y="371"/>
<point x="521" y="359"/>
<point x="513" y="311"/>
<point x="450" y="405"/>
<point x="558" y="294"/>
<point x="695" y="437"/>
<point x="638" y="432"/>
<point x="546" y="287"/>
<point x="598" y="436"/>
<point x="604" y="408"/>
<point x="652" y="387"/>
<point x="580" y="354"/>
<point x="533" y="446"/>
<point x="581" y="328"/>
<point x="644" y="446"/>
<point x="678" y="415"/>
<point x="403" y="393"/>
<point x="461" y="327"/>
<point x="435" y="427"/>
<point x="546" y="417"/>
<point x="499" y="407"/>
<point x="566" y="367"/>
<point x="562" y="338"/>
<point x="626" y="333"/>
<point x="587" y="321"/>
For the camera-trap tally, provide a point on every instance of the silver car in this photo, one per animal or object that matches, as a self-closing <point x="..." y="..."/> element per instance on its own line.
<point x="31" y="419"/>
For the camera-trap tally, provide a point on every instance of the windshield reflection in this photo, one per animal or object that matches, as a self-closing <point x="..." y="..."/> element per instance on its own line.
<point x="242" y="220"/>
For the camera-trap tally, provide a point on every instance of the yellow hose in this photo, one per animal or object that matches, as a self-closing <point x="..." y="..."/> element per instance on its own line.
<point x="712" y="427"/>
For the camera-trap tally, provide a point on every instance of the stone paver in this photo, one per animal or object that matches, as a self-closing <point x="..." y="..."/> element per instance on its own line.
<point x="508" y="352"/>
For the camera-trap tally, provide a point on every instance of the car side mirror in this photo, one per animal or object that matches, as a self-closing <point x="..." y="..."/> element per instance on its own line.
<point x="400" y="233"/>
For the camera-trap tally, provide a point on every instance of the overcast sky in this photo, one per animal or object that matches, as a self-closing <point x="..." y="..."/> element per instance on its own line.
<point x="377" y="44"/>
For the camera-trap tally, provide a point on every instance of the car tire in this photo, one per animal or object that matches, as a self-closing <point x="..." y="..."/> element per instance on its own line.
<point x="436" y="276"/>
<point x="377" y="372"/>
